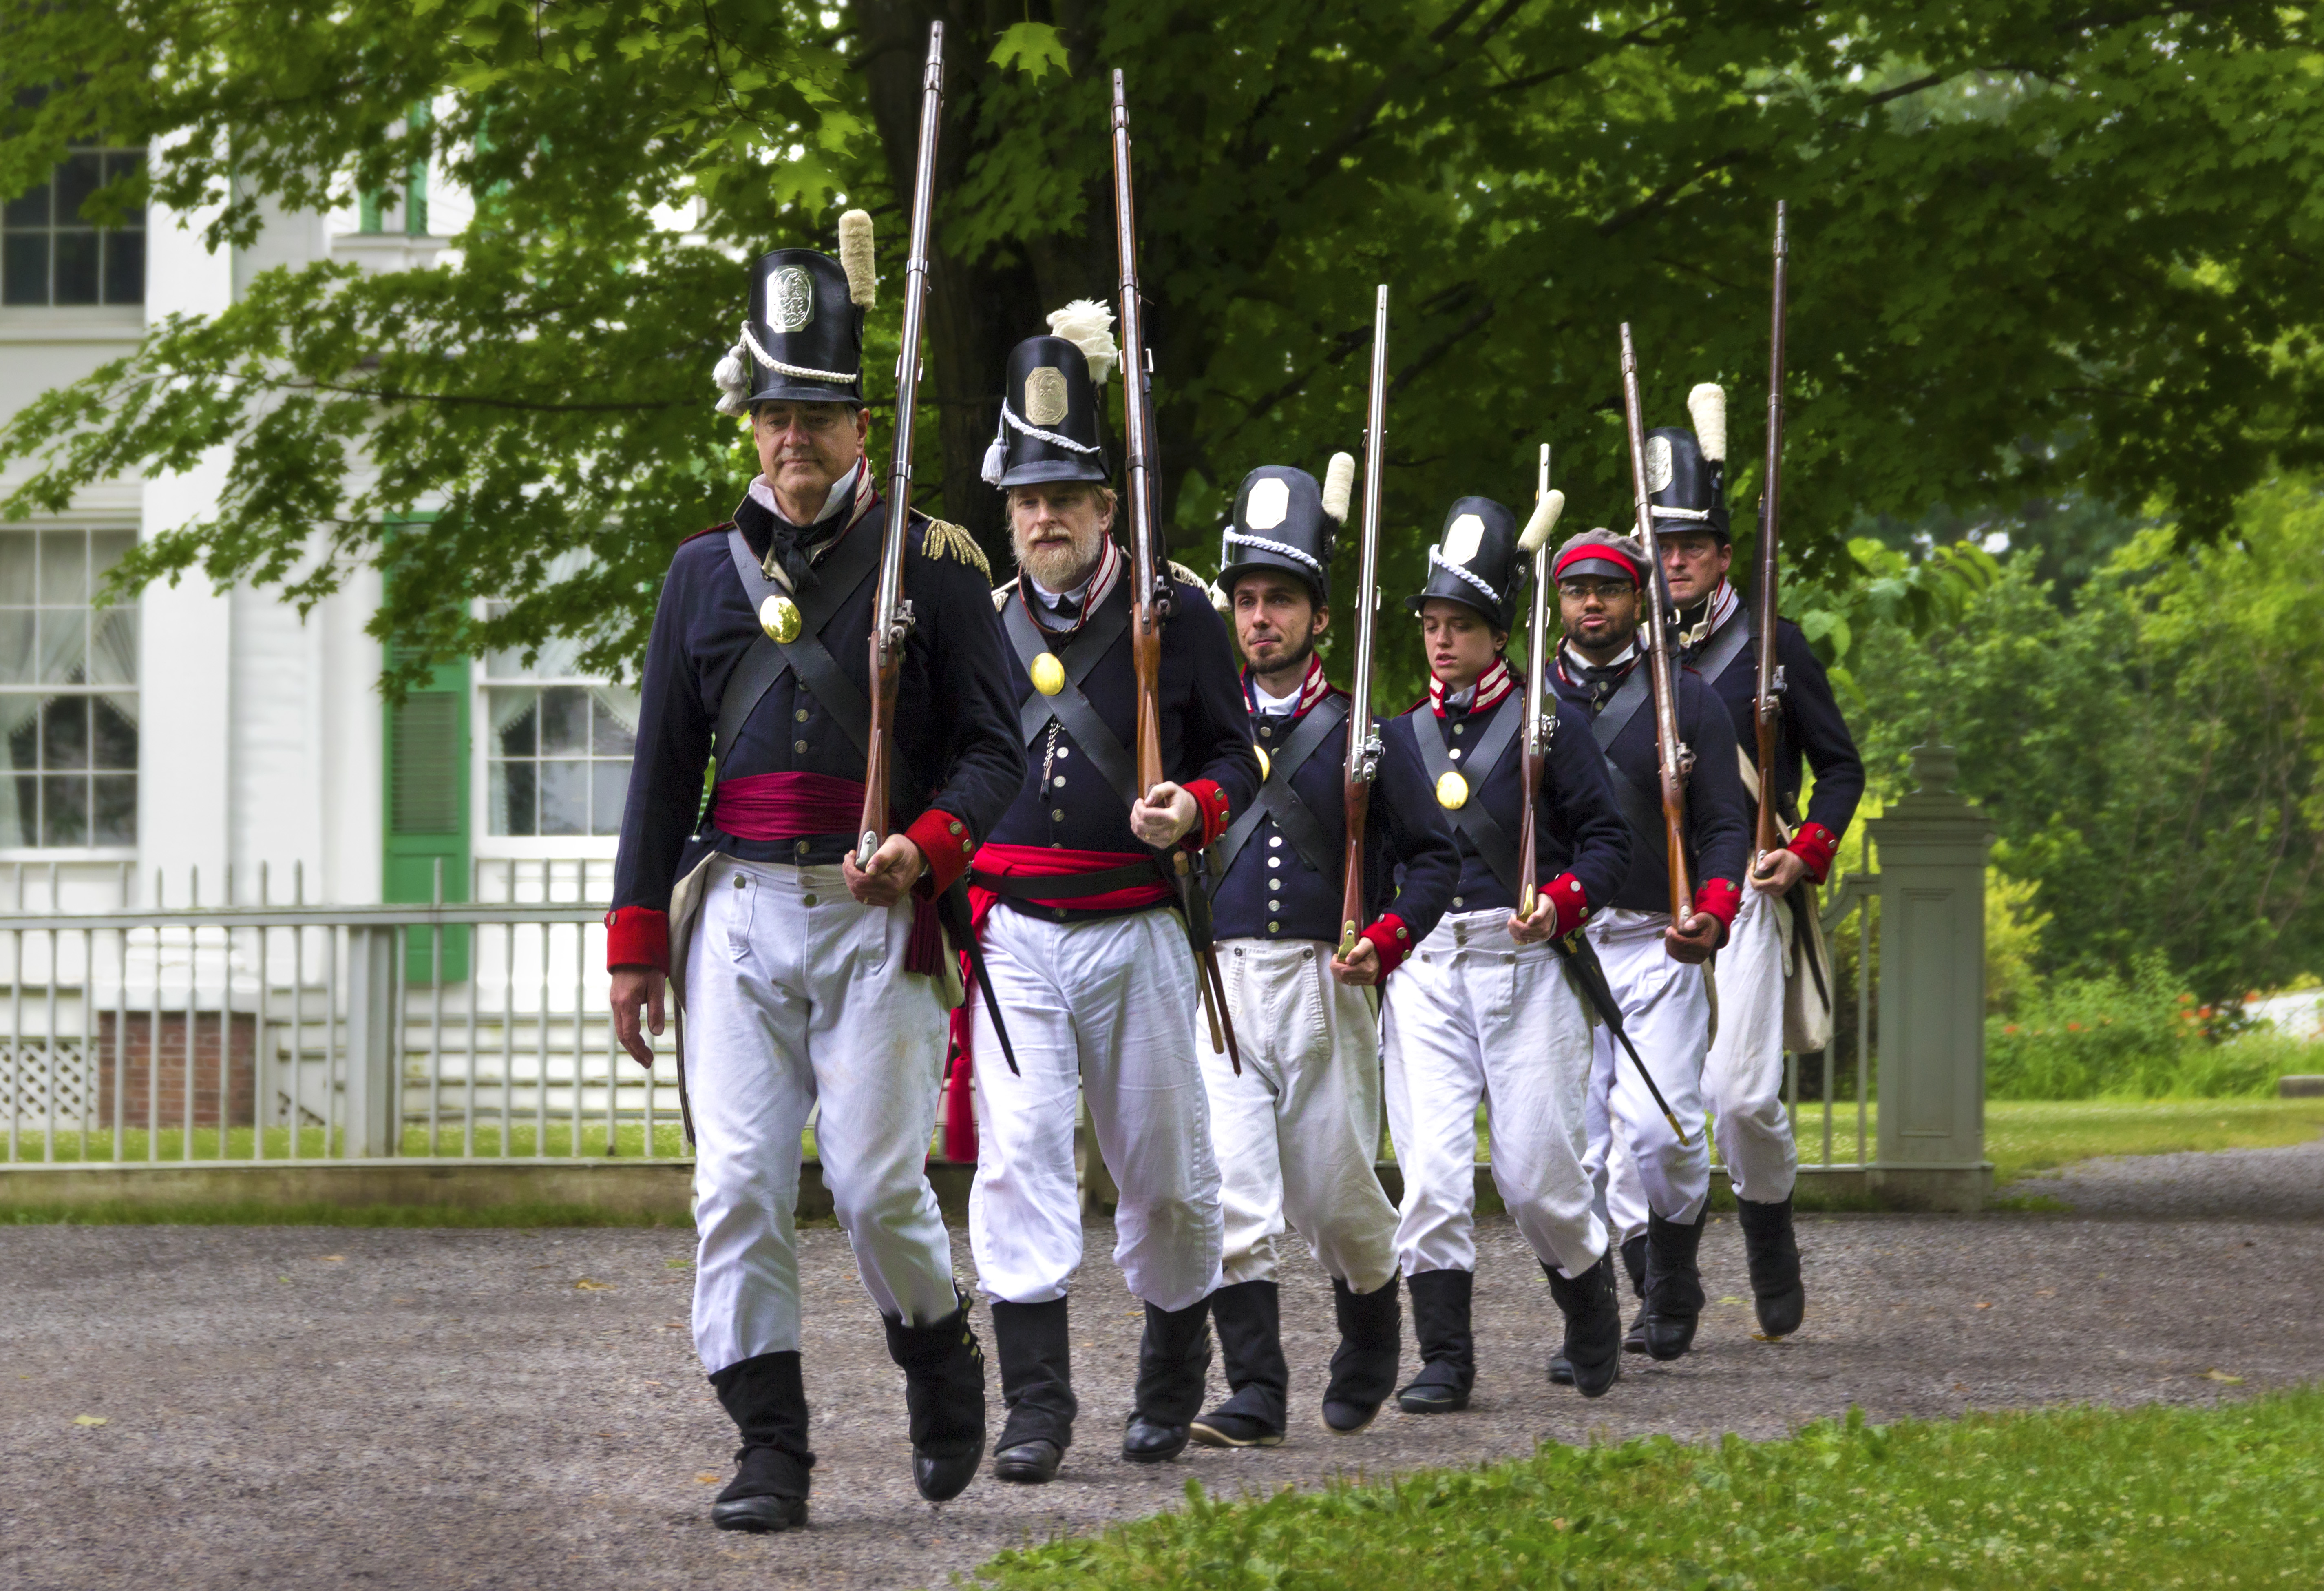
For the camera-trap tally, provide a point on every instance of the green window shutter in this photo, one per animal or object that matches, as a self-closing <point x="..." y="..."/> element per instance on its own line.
<point x="428" y="812"/>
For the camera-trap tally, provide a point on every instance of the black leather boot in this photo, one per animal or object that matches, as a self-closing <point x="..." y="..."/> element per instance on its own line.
<point x="1037" y="1384"/>
<point x="1634" y="1260"/>
<point x="1448" y="1353"/>
<point x="1674" y="1284"/>
<point x="944" y="1394"/>
<point x="1248" y="1318"/>
<point x="1363" y="1367"/>
<point x="1773" y="1252"/>
<point x="1593" y="1324"/>
<point x="1174" y="1360"/>
<point x="764" y="1398"/>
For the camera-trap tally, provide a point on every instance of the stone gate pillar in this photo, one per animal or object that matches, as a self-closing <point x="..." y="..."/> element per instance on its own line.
<point x="1932" y="848"/>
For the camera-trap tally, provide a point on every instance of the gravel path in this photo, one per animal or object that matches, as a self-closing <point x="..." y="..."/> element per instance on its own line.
<point x="311" y="1407"/>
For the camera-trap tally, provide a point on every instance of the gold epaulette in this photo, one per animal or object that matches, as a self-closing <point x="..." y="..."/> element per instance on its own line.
<point x="944" y="539"/>
<point x="1181" y="573"/>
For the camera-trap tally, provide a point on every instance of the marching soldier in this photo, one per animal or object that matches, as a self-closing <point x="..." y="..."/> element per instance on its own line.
<point x="1653" y="965"/>
<point x="1074" y="889"/>
<point x="1484" y="1010"/>
<point x="800" y="978"/>
<point x="1297" y="1131"/>
<point x="1775" y="930"/>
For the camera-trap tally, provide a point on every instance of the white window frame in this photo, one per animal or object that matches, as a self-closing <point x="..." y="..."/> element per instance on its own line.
<point x="86" y="525"/>
<point x="485" y="846"/>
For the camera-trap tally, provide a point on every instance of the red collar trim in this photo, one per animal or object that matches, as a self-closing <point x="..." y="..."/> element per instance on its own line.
<point x="1493" y="684"/>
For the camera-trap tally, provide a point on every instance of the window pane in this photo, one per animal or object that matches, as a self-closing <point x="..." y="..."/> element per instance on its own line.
<point x="112" y="647"/>
<point x="609" y="781"/>
<point x="565" y="797"/>
<point x="64" y="567"/>
<point x="564" y="720"/>
<point x="24" y="268"/>
<point x="16" y="646"/>
<point x="113" y="743"/>
<point x="116" y="810"/>
<point x="64" y="732"/>
<point x="77" y="260"/>
<point x="15" y="568"/>
<point x="81" y="175"/>
<point x="24" y="830"/>
<point x="609" y="735"/>
<point x="511" y="795"/>
<point x="118" y="165"/>
<point x="125" y="267"/>
<point x="29" y="209"/>
<point x="520" y="734"/>
<point x="64" y="810"/>
<point x="64" y="645"/>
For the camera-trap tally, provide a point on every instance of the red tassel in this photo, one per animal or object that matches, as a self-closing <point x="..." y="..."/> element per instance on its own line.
<point x="960" y="1107"/>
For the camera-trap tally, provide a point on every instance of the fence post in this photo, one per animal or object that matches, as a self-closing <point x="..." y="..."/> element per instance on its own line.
<point x="1932" y="846"/>
<point x="374" y="1072"/>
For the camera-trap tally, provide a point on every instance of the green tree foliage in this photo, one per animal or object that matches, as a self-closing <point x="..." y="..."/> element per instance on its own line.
<point x="2011" y="221"/>
<point x="2151" y="758"/>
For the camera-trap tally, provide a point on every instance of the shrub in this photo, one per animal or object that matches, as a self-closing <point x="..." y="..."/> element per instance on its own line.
<point x="2140" y="1037"/>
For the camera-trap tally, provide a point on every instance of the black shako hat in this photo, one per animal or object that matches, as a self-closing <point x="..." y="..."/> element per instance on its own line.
<point x="808" y="336"/>
<point x="1477" y="562"/>
<point x="1284" y="520"/>
<point x="1686" y="470"/>
<point x="1048" y="428"/>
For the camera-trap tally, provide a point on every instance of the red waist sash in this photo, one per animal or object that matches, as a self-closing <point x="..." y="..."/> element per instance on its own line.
<point x="1056" y="861"/>
<point x="796" y="806"/>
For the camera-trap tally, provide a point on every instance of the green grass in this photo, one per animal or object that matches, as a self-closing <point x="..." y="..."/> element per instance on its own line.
<point x="250" y="1212"/>
<point x="237" y="1144"/>
<point x="2023" y="1136"/>
<point x="2231" y="1495"/>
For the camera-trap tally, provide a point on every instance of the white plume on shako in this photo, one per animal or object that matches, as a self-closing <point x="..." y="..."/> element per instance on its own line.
<point x="1088" y="325"/>
<point x="1708" y="405"/>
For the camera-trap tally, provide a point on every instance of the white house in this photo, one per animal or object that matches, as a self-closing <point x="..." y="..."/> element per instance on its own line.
<point x="203" y="740"/>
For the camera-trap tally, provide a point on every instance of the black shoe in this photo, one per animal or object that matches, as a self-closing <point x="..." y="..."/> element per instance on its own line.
<point x="1448" y="1353"/>
<point x="765" y="1399"/>
<point x="1174" y="1360"/>
<point x="1633" y="1264"/>
<point x="944" y="1393"/>
<point x="1248" y="1318"/>
<point x="1634" y="1341"/>
<point x="1363" y="1367"/>
<point x="1674" y="1284"/>
<point x="1561" y="1369"/>
<point x="1593" y="1326"/>
<point x="1030" y="1340"/>
<point x="1033" y="1463"/>
<point x="1773" y="1252"/>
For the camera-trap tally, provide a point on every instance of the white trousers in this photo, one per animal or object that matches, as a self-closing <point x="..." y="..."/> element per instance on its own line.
<point x="1666" y="1010"/>
<point x="1743" y="1082"/>
<point x="796" y="994"/>
<point x="1297" y="1132"/>
<point x="1473" y="1017"/>
<point x="1105" y="1007"/>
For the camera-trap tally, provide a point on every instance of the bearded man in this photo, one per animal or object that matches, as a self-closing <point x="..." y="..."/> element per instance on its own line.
<point x="1074" y="889"/>
<point x="1297" y="1127"/>
<point x="802" y="979"/>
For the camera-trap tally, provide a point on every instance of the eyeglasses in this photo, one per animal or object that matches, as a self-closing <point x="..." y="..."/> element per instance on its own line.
<point x="1583" y="590"/>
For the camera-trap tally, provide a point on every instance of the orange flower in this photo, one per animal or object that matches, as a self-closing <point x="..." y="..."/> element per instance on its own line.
<point x="2009" y="1027"/>
<point x="2073" y="1027"/>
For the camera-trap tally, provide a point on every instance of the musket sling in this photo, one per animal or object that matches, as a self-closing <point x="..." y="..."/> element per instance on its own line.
<point x="1495" y="843"/>
<point x="1279" y="800"/>
<point x="1069" y="706"/>
<point x="838" y="577"/>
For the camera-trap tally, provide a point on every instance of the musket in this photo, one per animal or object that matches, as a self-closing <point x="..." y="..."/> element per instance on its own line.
<point x="1363" y="740"/>
<point x="1767" y="705"/>
<point x="1538" y="725"/>
<point x="892" y="614"/>
<point x="1675" y="760"/>
<point x="1580" y="959"/>
<point x="1149" y="570"/>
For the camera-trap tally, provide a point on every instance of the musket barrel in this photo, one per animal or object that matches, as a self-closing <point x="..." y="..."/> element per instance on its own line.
<point x="1362" y="745"/>
<point x="1671" y="751"/>
<point x="1536" y="701"/>
<point x="1766" y="707"/>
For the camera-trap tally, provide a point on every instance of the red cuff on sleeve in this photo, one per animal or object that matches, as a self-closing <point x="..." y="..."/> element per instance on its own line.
<point x="1572" y="902"/>
<point x="1212" y="801"/>
<point x="1392" y="940"/>
<point x="1720" y="897"/>
<point x="637" y="936"/>
<point x="1816" y="846"/>
<point x="945" y="841"/>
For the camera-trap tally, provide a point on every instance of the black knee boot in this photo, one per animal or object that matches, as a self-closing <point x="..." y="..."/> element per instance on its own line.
<point x="1773" y="1255"/>
<point x="1674" y="1284"/>
<point x="944" y="1395"/>
<point x="1448" y="1354"/>
<point x="1634" y="1261"/>
<point x="1248" y="1318"/>
<point x="1037" y="1384"/>
<point x="1363" y="1369"/>
<point x="764" y="1398"/>
<point x="1593" y="1324"/>
<point x="1174" y="1360"/>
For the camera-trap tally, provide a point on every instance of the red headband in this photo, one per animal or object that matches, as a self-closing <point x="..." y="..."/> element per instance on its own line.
<point x="1599" y="551"/>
